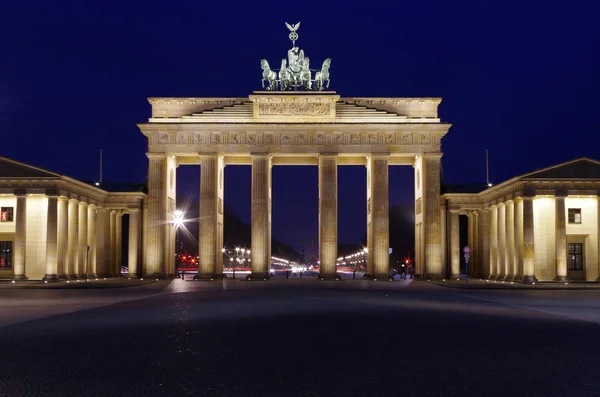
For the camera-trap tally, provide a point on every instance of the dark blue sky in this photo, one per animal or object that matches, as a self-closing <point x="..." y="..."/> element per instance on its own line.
<point x="518" y="77"/>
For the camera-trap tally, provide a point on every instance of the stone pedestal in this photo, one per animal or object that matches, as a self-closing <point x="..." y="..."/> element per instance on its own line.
<point x="52" y="240"/>
<point x="328" y="216"/>
<point x="528" y="242"/>
<point x="454" y="245"/>
<point x="560" y="242"/>
<point x="261" y="208"/>
<point x="20" y="237"/>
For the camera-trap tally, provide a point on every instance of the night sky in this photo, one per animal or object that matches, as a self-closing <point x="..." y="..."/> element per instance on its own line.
<point x="519" y="78"/>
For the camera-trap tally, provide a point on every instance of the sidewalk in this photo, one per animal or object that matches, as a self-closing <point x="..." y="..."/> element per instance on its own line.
<point x="476" y="283"/>
<point x="115" y="282"/>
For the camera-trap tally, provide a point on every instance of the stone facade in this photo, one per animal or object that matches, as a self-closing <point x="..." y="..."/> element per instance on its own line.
<point x="59" y="228"/>
<point x="542" y="226"/>
<point x="282" y="128"/>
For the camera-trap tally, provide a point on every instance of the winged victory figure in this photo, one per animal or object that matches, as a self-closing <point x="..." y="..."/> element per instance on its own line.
<point x="292" y="28"/>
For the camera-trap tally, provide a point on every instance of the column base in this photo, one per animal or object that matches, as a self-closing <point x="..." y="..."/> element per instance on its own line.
<point x="561" y="278"/>
<point x="72" y="277"/>
<point x="518" y="279"/>
<point x="50" y="277"/>
<point x="92" y="276"/>
<point x="159" y="276"/>
<point x="529" y="280"/>
<point x="19" y="277"/>
<point x="493" y="277"/>
<point x="501" y="277"/>
<point x="434" y="276"/>
<point x="329" y="276"/>
<point x="380" y="277"/>
<point x="455" y="276"/>
<point x="509" y="278"/>
<point x="262" y="276"/>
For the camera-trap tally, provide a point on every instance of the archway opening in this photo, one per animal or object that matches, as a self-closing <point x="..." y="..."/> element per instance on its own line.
<point x="295" y="219"/>
<point x="352" y="220"/>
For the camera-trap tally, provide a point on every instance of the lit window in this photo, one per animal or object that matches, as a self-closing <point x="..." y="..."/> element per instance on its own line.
<point x="574" y="215"/>
<point x="6" y="214"/>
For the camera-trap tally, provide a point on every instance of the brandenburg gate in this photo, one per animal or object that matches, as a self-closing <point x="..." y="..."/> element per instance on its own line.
<point x="295" y="120"/>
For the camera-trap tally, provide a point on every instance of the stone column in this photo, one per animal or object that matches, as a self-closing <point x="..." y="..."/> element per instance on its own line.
<point x="52" y="239"/>
<point x="328" y="215"/>
<point x="501" y="268"/>
<point x="157" y="215"/>
<point x="509" y="209"/>
<point x="598" y="233"/>
<point x="92" y="241"/>
<point x="113" y="243"/>
<point x="134" y="238"/>
<point x="63" y="236"/>
<point x="470" y="243"/>
<point x="118" y="244"/>
<point x="518" y="247"/>
<point x="261" y="169"/>
<point x="444" y="238"/>
<point x="475" y="247"/>
<point x="528" y="242"/>
<point x="484" y="242"/>
<point x="82" y="244"/>
<point x="73" y="239"/>
<point x="20" y="237"/>
<point x="454" y="244"/>
<point x="493" y="242"/>
<point x="560" y="242"/>
<point x="208" y="217"/>
<point x="102" y="243"/>
<point x="380" y="219"/>
<point x="431" y="216"/>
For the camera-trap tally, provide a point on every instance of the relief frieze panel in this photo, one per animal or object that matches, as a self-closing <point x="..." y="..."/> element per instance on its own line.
<point x="294" y="109"/>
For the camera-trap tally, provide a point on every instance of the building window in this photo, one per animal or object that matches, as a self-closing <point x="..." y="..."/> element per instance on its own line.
<point x="575" y="259"/>
<point x="574" y="215"/>
<point x="6" y="255"/>
<point x="6" y="214"/>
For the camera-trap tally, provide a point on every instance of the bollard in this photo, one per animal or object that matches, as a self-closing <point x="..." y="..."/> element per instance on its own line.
<point x="233" y="273"/>
<point x="354" y="275"/>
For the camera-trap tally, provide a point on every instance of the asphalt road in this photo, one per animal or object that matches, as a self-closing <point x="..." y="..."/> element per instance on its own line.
<point x="295" y="340"/>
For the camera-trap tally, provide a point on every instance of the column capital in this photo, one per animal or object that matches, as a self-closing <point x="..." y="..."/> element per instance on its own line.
<point x="431" y="156"/>
<point x="379" y="156"/>
<point x="52" y="192"/>
<point x="260" y="155"/>
<point x="156" y="156"/>
<point x="560" y="194"/>
<point x="332" y="154"/>
<point x="133" y="210"/>
<point x="20" y="192"/>
<point x="83" y="203"/>
<point x="103" y="209"/>
<point x="92" y="205"/>
<point x="63" y="198"/>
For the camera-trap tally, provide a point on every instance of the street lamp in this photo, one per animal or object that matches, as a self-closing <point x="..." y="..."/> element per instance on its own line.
<point x="178" y="222"/>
